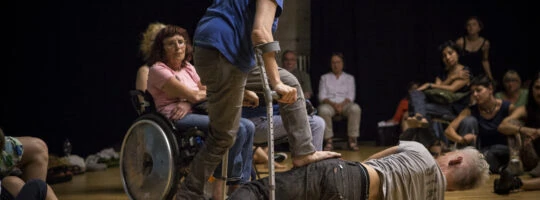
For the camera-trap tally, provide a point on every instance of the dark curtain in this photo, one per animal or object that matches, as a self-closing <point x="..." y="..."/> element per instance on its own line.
<point x="72" y="65"/>
<point x="388" y="44"/>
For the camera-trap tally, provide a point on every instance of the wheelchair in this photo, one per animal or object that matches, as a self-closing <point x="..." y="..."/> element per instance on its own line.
<point x="155" y="155"/>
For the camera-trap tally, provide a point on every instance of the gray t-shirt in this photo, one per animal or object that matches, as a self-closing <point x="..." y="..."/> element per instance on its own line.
<point x="411" y="173"/>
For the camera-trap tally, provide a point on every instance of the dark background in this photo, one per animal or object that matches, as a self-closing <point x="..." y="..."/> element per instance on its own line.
<point x="71" y="64"/>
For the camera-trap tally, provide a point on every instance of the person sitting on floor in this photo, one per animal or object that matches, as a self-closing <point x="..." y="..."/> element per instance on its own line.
<point x="530" y="113"/>
<point x="32" y="160"/>
<point x="384" y="175"/>
<point x="477" y="125"/>
<point x="512" y="89"/>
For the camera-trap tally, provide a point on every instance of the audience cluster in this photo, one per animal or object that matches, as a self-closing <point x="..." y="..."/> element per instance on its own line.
<point x="461" y="119"/>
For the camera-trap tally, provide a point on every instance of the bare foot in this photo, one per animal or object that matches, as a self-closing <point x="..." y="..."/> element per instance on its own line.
<point x="416" y="122"/>
<point x="300" y="161"/>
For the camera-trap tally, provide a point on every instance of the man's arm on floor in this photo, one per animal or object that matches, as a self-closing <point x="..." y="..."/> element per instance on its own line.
<point x="384" y="153"/>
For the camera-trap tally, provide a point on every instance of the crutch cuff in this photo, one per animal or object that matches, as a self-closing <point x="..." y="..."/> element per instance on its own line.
<point x="269" y="47"/>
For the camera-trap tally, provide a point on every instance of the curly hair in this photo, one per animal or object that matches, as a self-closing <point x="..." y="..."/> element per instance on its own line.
<point x="157" y="52"/>
<point x="148" y="37"/>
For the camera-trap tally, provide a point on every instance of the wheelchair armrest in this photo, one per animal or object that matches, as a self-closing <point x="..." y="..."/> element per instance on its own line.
<point x="142" y="101"/>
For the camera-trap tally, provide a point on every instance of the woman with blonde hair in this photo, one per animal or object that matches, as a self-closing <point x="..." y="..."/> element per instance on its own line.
<point x="147" y="40"/>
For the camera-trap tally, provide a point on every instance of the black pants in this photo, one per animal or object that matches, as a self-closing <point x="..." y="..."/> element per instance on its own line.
<point x="327" y="179"/>
<point x="32" y="190"/>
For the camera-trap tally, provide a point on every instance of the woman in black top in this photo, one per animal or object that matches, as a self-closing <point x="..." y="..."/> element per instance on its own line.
<point x="477" y="125"/>
<point x="475" y="48"/>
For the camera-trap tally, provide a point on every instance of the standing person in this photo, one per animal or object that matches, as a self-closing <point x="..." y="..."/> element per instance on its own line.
<point x="475" y="48"/>
<point x="337" y="91"/>
<point x="175" y="87"/>
<point x="406" y="171"/>
<point x="224" y="42"/>
<point x="512" y="89"/>
<point x="530" y="113"/>
<point x="289" y="62"/>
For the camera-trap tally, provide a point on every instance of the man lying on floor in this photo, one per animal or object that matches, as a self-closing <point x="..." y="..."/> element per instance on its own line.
<point x="406" y="171"/>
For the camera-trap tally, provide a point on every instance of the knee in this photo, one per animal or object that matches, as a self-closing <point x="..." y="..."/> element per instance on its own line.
<point x="39" y="149"/>
<point x="246" y="129"/>
<point x="469" y="121"/>
<point x="317" y="123"/>
<point x="325" y="110"/>
<point x="355" y="109"/>
<point x="289" y="79"/>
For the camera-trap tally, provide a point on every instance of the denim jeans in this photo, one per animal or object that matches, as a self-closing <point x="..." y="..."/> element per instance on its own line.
<point x="240" y="154"/>
<point x="497" y="155"/>
<point x="327" y="179"/>
<point x="419" y="104"/>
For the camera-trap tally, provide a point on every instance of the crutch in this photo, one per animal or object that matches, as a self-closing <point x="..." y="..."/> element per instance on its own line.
<point x="269" y="95"/>
<point x="224" y="166"/>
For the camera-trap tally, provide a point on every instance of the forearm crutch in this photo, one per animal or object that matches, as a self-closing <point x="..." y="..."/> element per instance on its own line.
<point x="269" y="95"/>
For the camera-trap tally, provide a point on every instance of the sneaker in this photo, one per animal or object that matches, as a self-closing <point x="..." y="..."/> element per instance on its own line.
<point x="515" y="167"/>
<point x="506" y="183"/>
<point x="280" y="157"/>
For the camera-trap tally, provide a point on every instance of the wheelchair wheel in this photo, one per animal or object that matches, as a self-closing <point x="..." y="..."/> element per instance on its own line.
<point x="148" y="159"/>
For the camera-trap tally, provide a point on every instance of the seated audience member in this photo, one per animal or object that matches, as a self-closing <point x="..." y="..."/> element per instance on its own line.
<point x="455" y="80"/>
<point x="146" y="44"/>
<point x="384" y="175"/>
<point x="512" y="89"/>
<point x="530" y="113"/>
<point x="402" y="111"/>
<point x="30" y="155"/>
<point x="337" y="92"/>
<point x="289" y="63"/>
<point x="477" y="125"/>
<point x="175" y="86"/>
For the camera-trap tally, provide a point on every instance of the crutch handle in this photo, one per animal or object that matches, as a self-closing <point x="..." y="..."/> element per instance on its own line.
<point x="275" y="95"/>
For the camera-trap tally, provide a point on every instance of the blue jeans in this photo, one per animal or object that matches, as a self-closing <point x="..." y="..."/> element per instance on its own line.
<point x="419" y="104"/>
<point x="240" y="154"/>
<point x="497" y="155"/>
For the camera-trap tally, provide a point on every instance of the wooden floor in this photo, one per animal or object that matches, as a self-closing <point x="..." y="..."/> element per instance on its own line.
<point x="106" y="185"/>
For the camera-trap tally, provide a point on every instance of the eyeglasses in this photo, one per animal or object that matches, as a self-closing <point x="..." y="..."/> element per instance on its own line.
<point x="174" y="43"/>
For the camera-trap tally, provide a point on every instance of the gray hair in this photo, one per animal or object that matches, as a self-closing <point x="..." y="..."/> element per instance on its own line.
<point x="474" y="172"/>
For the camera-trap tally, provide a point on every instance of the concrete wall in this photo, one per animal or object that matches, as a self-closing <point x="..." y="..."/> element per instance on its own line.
<point x="294" y="28"/>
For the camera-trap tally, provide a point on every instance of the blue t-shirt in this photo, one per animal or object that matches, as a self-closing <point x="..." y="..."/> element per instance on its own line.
<point x="226" y="26"/>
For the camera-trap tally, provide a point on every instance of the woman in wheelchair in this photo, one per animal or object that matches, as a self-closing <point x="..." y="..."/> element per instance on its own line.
<point x="175" y="87"/>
